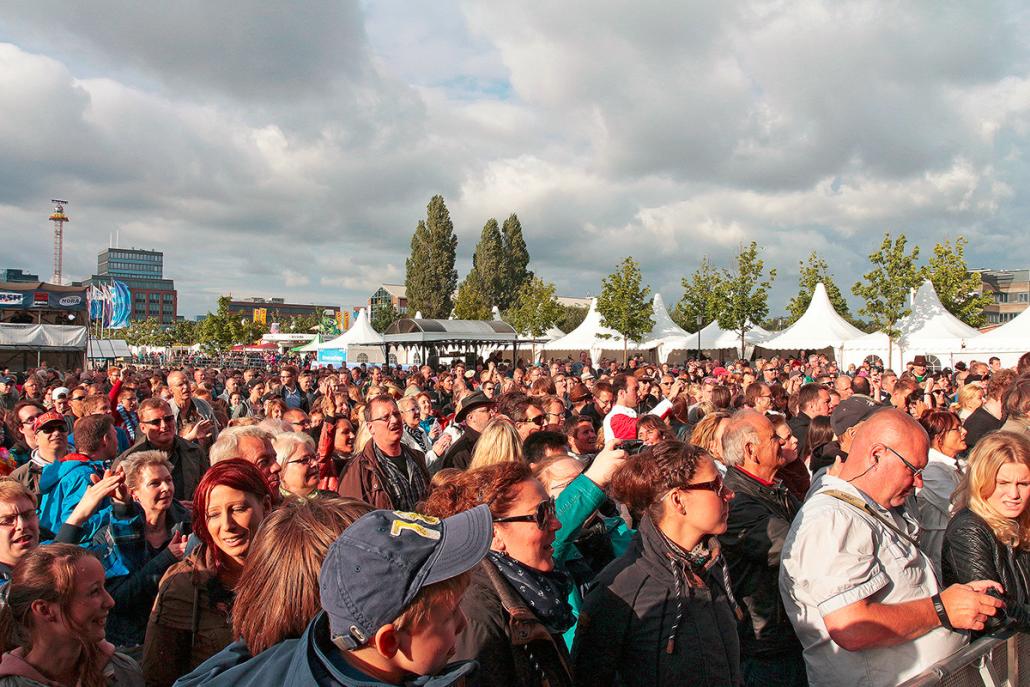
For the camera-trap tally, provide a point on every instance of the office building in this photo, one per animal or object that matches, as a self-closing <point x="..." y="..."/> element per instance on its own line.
<point x="1010" y="290"/>
<point x="13" y="275"/>
<point x="142" y="271"/>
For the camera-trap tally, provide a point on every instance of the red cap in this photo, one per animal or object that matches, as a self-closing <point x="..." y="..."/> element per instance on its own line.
<point x="48" y="416"/>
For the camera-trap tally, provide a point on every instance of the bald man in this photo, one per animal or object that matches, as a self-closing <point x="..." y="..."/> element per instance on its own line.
<point x="862" y="597"/>
<point x="194" y="418"/>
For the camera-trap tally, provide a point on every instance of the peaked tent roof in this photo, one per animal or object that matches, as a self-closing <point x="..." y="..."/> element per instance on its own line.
<point x="664" y="328"/>
<point x="360" y="333"/>
<point x="589" y="335"/>
<point x="309" y="346"/>
<point x="819" y="327"/>
<point x="715" y="338"/>
<point x="1011" y="337"/>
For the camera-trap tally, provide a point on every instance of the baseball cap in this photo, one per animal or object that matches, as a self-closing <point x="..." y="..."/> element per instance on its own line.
<point x="377" y="567"/>
<point x="851" y="411"/>
<point x="59" y="392"/>
<point x="45" y="418"/>
<point x="6" y="380"/>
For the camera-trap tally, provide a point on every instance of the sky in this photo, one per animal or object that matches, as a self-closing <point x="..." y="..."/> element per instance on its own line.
<point x="289" y="149"/>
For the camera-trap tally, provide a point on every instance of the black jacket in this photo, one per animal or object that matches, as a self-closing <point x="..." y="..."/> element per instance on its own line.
<point x="799" y="428"/>
<point x="459" y="455"/>
<point x="972" y="552"/>
<point x="979" y="423"/>
<point x="756" y="528"/>
<point x="189" y="463"/>
<point x="625" y="634"/>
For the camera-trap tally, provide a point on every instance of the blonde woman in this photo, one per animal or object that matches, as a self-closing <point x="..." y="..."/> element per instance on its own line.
<point x="989" y="536"/>
<point x="970" y="397"/>
<point x="499" y="443"/>
<point x="707" y="434"/>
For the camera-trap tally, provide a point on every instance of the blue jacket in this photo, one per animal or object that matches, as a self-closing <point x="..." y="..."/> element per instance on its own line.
<point x="61" y="486"/>
<point x="311" y="660"/>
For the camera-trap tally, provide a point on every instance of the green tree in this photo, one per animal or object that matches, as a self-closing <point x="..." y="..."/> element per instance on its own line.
<point x="301" y="323"/>
<point x="625" y="305"/>
<point x="488" y="265"/>
<point x="956" y="286"/>
<point x="471" y="303"/>
<point x="885" y="288"/>
<point x="516" y="261"/>
<point x="383" y="315"/>
<point x="745" y="293"/>
<point x="183" y="333"/>
<point x="572" y="316"/>
<point x="535" y="310"/>
<point x="223" y="329"/>
<point x="146" y="332"/>
<point x="814" y="271"/>
<point x="702" y="297"/>
<point x="430" y="275"/>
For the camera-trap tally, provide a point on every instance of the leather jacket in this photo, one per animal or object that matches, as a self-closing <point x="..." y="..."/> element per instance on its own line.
<point x="756" y="528"/>
<point x="972" y="552"/>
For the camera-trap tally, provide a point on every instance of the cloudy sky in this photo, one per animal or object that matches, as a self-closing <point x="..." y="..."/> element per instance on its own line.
<point x="289" y="149"/>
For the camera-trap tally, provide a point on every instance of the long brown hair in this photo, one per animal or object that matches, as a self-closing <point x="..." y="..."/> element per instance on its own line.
<point x="277" y="595"/>
<point x="495" y="485"/>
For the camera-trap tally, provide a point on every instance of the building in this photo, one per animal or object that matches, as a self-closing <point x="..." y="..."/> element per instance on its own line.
<point x="13" y="275"/>
<point x="277" y="309"/>
<point x="142" y="271"/>
<point x="1010" y="290"/>
<point x="390" y="294"/>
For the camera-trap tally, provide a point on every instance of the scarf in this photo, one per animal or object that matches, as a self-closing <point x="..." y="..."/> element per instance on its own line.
<point x="421" y="438"/>
<point x="405" y="491"/>
<point x="128" y="422"/>
<point x="546" y="593"/>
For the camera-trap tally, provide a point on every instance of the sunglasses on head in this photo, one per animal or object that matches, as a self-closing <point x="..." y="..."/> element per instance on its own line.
<point x="542" y="517"/>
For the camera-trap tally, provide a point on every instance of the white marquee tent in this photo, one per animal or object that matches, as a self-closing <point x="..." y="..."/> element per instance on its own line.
<point x="590" y="336"/>
<point x="1009" y="341"/>
<point x="664" y="330"/>
<point x="820" y="327"/>
<point x="715" y="341"/>
<point x="359" y="344"/>
<point x="929" y="330"/>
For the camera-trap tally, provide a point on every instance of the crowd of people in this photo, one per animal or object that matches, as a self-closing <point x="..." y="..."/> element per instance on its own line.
<point x="770" y="522"/>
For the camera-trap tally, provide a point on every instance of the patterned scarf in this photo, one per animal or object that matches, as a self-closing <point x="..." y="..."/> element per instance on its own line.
<point x="421" y="438"/>
<point x="405" y="491"/>
<point x="546" y="593"/>
<point x="128" y="422"/>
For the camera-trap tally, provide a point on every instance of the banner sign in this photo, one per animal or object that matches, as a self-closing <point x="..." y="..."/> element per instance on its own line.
<point x="111" y="304"/>
<point x="36" y="295"/>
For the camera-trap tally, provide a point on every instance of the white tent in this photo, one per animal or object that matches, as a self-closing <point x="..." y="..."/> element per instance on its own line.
<point x="309" y="347"/>
<point x="715" y="339"/>
<point x="359" y="344"/>
<point x="928" y="330"/>
<point x="820" y="327"/>
<point x="1009" y="341"/>
<point x="590" y="336"/>
<point x="664" y="329"/>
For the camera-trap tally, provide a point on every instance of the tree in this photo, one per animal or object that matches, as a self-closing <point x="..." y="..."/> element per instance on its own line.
<point x="488" y="265"/>
<point x="956" y="286"/>
<point x="535" y="310"/>
<point x="885" y="288"/>
<point x="183" y="333"/>
<point x="430" y="275"/>
<point x="223" y="329"/>
<point x="471" y="303"/>
<point x="745" y="294"/>
<point x="146" y="332"/>
<point x="516" y="260"/>
<point x="702" y="297"/>
<point x="624" y="305"/>
<point x="816" y="270"/>
<point x="572" y="316"/>
<point x="383" y="315"/>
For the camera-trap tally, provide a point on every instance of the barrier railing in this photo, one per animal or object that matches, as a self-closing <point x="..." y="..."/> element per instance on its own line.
<point x="987" y="662"/>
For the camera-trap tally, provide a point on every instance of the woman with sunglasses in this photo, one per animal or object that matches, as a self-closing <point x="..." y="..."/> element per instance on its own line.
<point x="516" y="603"/>
<point x="662" y="614"/>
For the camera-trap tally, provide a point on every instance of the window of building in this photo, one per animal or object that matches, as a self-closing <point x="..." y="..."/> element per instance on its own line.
<point x="362" y="358"/>
<point x="933" y="363"/>
<point x="1024" y="298"/>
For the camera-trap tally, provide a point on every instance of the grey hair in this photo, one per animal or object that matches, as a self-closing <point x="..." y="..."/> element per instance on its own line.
<point x="274" y="428"/>
<point x="228" y="444"/>
<point x="287" y="442"/>
<point x="738" y="434"/>
<point x="134" y="464"/>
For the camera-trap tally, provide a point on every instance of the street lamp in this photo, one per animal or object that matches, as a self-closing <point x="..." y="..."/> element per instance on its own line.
<point x="699" y="322"/>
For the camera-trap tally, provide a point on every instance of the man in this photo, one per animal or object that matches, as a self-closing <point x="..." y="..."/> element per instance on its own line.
<point x="32" y="389"/>
<point x="290" y="393"/>
<point x="543" y="445"/>
<point x="189" y="461"/>
<point x="991" y="414"/>
<point x="760" y="516"/>
<point x="842" y="385"/>
<point x="708" y="384"/>
<point x="554" y="413"/>
<point x="308" y="388"/>
<point x="8" y="395"/>
<point x="758" y="397"/>
<point x="19" y="429"/>
<point x="473" y="415"/>
<point x="862" y="597"/>
<point x="995" y="363"/>
<point x="526" y="412"/>
<point x="232" y="385"/>
<point x="813" y="401"/>
<point x="621" y="420"/>
<point x="582" y="438"/>
<point x="919" y="368"/>
<point x="602" y="405"/>
<point x="194" y="418"/>
<point x="51" y="433"/>
<point x="387" y="474"/>
<point x="845" y="421"/>
<point x="252" y="444"/>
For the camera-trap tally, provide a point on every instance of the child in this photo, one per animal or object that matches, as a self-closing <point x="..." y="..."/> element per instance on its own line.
<point x="390" y="587"/>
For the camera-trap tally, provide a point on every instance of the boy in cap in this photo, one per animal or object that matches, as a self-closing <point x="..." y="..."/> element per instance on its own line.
<point x="390" y="586"/>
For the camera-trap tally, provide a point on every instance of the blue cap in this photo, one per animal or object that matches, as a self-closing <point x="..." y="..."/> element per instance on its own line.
<point x="377" y="567"/>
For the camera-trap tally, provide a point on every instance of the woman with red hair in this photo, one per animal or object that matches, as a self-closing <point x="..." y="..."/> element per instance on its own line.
<point x="190" y="619"/>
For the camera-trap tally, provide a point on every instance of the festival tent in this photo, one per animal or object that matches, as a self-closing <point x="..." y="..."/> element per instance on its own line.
<point x="310" y="346"/>
<point x="108" y="350"/>
<point x="928" y="330"/>
<point x="820" y="327"/>
<point x="26" y="345"/>
<point x="716" y="342"/>
<point x="1009" y="341"/>
<point x="590" y="336"/>
<point x="664" y="330"/>
<point x="359" y="344"/>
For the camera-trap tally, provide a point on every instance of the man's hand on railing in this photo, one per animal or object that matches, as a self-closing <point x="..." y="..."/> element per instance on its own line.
<point x="969" y="605"/>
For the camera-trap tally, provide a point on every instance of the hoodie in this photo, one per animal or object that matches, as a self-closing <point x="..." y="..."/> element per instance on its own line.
<point x="61" y="486"/>
<point x="121" y="671"/>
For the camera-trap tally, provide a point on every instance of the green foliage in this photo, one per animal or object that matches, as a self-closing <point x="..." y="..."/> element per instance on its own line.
<point x="146" y="332"/>
<point x="182" y="333"/>
<point x="624" y="305"/>
<point x="223" y="329"/>
<point x="572" y="316"/>
<point x="300" y="323"/>
<point x="471" y="303"/>
<point x="957" y="287"/>
<point x="702" y="296"/>
<point x="515" y="256"/>
<point x="745" y="293"/>
<point x="536" y="309"/>
<point x="486" y="278"/>
<point x="430" y="275"/>
<point x="885" y="288"/>
<point x="816" y="270"/>
<point x="383" y="315"/>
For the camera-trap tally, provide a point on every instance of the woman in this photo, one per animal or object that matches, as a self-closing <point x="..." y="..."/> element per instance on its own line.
<point x="299" y="476"/>
<point x="708" y="433"/>
<point x="970" y="397"/>
<point x="660" y="615"/>
<point x="190" y="618"/>
<point x="516" y="604"/>
<point x="427" y="419"/>
<point x="651" y="430"/>
<point x="335" y="443"/>
<point x="274" y="408"/>
<point x="989" y="536"/>
<point x="278" y="593"/>
<point x="793" y="472"/>
<point x="820" y="448"/>
<point x="19" y="525"/>
<point x="499" y="443"/>
<point x="52" y="623"/>
<point x="940" y="478"/>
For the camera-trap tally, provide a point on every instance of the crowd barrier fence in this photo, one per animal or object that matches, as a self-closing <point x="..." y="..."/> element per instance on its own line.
<point x="987" y="662"/>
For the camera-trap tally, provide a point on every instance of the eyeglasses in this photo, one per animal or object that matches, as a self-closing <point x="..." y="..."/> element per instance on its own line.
<point x="307" y="460"/>
<point x="29" y="515"/>
<point x="303" y="424"/>
<point x="539" y="421"/>
<point x="542" y="517"/>
<point x="716" y="485"/>
<point x="386" y="418"/>
<point x="158" y="421"/>
<point x="916" y="472"/>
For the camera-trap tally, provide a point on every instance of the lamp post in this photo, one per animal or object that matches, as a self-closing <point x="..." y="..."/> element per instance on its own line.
<point x="699" y="321"/>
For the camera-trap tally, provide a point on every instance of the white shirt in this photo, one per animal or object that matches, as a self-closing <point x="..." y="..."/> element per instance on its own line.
<point x="835" y="555"/>
<point x="940" y="478"/>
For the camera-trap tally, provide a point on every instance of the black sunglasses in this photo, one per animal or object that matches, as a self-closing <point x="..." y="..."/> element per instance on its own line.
<point x="542" y="517"/>
<point x="539" y="420"/>
<point x="157" y="422"/>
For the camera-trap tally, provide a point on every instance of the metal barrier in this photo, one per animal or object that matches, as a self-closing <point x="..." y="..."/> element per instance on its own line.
<point x="987" y="662"/>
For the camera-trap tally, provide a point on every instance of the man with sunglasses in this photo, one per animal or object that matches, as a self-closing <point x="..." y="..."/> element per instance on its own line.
<point x="51" y="433"/>
<point x="158" y="433"/>
<point x="863" y="598"/>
